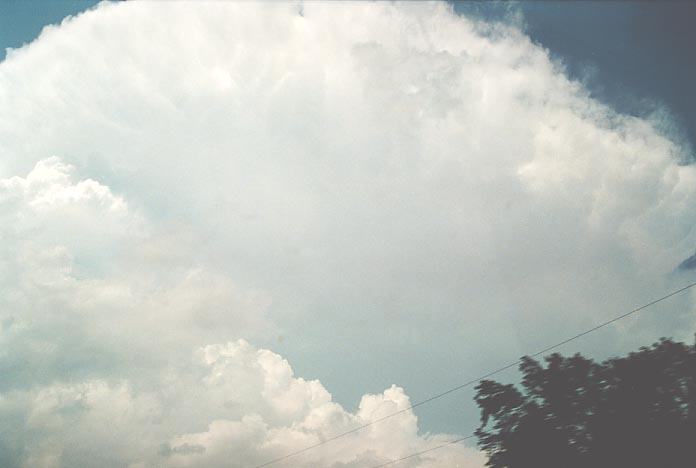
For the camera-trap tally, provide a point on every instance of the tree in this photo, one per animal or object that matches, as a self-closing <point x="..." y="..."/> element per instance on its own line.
<point x="636" y="411"/>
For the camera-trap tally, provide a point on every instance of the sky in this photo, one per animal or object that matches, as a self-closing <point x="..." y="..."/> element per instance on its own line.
<point x="233" y="230"/>
<point x="632" y="55"/>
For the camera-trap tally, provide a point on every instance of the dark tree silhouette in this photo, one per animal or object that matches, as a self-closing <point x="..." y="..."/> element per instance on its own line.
<point x="637" y="411"/>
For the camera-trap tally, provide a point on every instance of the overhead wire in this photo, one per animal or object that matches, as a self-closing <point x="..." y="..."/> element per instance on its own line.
<point x="431" y="449"/>
<point x="471" y="382"/>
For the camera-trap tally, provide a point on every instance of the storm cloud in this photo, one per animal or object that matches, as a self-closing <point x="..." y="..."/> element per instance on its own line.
<point x="380" y="193"/>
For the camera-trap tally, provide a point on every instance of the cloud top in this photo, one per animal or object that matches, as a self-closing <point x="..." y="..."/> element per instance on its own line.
<point x="383" y="193"/>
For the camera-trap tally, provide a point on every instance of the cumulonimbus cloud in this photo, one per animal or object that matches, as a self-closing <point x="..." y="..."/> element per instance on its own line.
<point x="385" y="191"/>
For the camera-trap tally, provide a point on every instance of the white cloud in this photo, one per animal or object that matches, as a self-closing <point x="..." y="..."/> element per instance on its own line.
<point x="258" y="411"/>
<point x="110" y="391"/>
<point x="85" y="274"/>
<point x="401" y="194"/>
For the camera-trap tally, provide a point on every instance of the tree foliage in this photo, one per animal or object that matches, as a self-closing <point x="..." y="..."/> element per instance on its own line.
<point x="635" y="411"/>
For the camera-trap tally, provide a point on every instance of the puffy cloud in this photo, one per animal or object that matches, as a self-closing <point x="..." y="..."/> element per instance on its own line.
<point x="258" y="410"/>
<point x="91" y="358"/>
<point x="86" y="284"/>
<point x="383" y="193"/>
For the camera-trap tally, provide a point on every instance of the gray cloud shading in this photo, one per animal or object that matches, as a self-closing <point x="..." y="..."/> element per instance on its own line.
<point x="403" y="195"/>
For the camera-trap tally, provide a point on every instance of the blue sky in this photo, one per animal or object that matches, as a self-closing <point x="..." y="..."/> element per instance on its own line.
<point x="276" y="209"/>
<point x="22" y="21"/>
<point x="629" y="53"/>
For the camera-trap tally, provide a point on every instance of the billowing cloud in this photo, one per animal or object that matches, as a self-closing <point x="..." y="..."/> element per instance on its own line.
<point x="87" y="282"/>
<point x="382" y="193"/>
<point x="244" y="404"/>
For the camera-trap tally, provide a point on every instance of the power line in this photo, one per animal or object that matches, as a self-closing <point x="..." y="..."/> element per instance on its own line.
<point x="432" y="449"/>
<point x="473" y="381"/>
